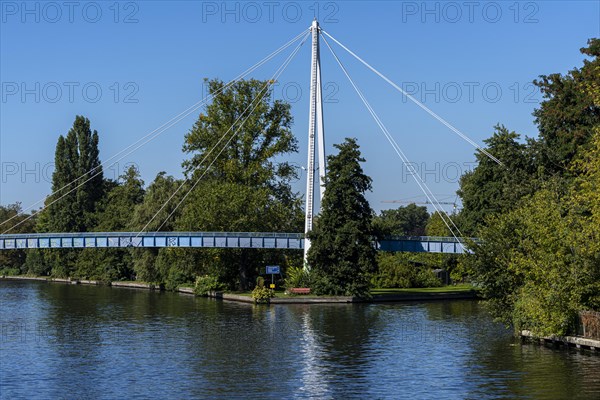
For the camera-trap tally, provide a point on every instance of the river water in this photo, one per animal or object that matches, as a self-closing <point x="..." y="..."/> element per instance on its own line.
<point x="67" y="341"/>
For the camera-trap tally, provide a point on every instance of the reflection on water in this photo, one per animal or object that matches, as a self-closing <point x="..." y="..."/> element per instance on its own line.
<point x="67" y="341"/>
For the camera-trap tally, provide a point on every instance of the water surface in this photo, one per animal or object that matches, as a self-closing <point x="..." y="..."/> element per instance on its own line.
<point x="67" y="341"/>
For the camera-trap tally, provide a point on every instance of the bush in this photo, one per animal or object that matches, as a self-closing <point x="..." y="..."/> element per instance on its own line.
<point x="425" y="277"/>
<point x="297" y="277"/>
<point x="261" y="293"/>
<point x="396" y="271"/>
<point x="206" y="284"/>
<point x="10" y="272"/>
<point x="175" y="279"/>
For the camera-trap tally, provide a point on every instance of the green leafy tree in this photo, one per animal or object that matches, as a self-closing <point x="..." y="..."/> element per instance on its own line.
<point x="121" y="202"/>
<point x="539" y="261"/>
<point x="12" y="262"/>
<point x="436" y="225"/>
<point x="568" y="114"/>
<point x="585" y="221"/>
<point x="539" y="264"/>
<point x="403" y="221"/>
<point x="114" y="216"/>
<point x="527" y="269"/>
<point x="342" y="254"/>
<point x="258" y="131"/>
<point x="492" y="188"/>
<point x="237" y="183"/>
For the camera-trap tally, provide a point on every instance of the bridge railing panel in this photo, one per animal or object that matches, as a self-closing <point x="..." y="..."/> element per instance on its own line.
<point x="216" y="239"/>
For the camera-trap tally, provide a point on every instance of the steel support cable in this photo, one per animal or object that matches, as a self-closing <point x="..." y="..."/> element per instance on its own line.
<point x="148" y="138"/>
<point x="259" y="98"/>
<point x="417" y="102"/>
<point x="422" y="185"/>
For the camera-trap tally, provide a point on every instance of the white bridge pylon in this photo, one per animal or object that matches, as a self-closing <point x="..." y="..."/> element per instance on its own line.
<point x="315" y="128"/>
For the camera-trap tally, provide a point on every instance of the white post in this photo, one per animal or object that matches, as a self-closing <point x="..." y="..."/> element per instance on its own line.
<point x="315" y="126"/>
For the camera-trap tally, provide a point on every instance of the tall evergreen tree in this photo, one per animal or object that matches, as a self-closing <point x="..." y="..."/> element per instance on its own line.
<point x="78" y="188"/>
<point x="91" y="192"/>
<point x="58" y="216"/>
<point x="342" y="253"/>
<point x="77" y="181"/>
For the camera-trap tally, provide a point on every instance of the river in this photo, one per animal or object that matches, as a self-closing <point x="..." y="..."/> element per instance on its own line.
<point x="73" y="341"/>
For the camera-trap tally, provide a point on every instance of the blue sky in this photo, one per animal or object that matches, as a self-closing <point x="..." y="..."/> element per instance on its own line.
<point x="130" y="66"/>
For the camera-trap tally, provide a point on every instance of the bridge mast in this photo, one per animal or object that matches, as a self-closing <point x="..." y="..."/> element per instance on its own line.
<point x="315" y="126"/>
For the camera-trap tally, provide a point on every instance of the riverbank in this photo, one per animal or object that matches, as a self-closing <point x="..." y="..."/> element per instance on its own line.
<point x="567" y="341"/>
<point x="379" y="295"/>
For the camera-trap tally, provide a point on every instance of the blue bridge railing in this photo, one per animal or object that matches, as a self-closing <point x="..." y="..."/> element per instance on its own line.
<point x="258" y="240"/>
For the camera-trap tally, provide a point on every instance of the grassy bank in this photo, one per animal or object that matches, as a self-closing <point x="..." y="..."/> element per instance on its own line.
<point x="384" y="291"/>
<point x="442" y="289"/>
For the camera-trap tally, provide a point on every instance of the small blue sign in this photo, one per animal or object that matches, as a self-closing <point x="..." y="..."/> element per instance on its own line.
<point x="273" y="269"/>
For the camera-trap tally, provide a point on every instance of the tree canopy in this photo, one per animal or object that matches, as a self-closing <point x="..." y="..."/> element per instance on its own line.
<point x="402" y="221"/>
<point x="237" y="181"/>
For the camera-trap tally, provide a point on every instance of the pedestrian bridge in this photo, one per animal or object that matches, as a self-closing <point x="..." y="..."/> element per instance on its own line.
<point x="241" y="240"/>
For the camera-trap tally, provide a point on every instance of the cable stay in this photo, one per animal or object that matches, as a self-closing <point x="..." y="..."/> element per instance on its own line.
<point x="245" y="115"/>
<point x="420" y="182"/>
<point x="148" y="137"/>
<point x="417" y="102"/>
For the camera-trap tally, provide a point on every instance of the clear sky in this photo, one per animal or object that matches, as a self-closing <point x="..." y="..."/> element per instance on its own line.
<point x="130" y="66"/>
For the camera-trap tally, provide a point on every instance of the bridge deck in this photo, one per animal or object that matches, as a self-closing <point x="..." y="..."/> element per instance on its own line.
<point x="258" y="240"/>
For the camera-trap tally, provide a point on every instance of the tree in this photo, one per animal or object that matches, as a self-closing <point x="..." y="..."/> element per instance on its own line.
<point x="538" y="263"/>
<point x="492" y="188"/>
<point x="113" y="216"/>
<point x="342" y="254"/>
<point x="584" y="219"/>
<point x="78" y="188"/>
<point x="236" y="182"/>
<point x="12" y="261"/>
<point x="258" y="131"/>
<point x="528" y="270"/>
<point x="121" y="202"/>
<point x="77" y="182"/>
<point x="567" y="116"/>
<point x="436" y="226"/>
<point x="403" y="221"/>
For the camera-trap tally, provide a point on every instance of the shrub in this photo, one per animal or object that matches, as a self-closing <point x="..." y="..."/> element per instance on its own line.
<point x="261" y="293"/>
<point x="297" y="277"/>
<point x="175" y="279"/>
<point x="206" y="284"/>
<point x="396" y="271"/>
<point x="425" y="277"/>
<point x="10" y="271"/>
